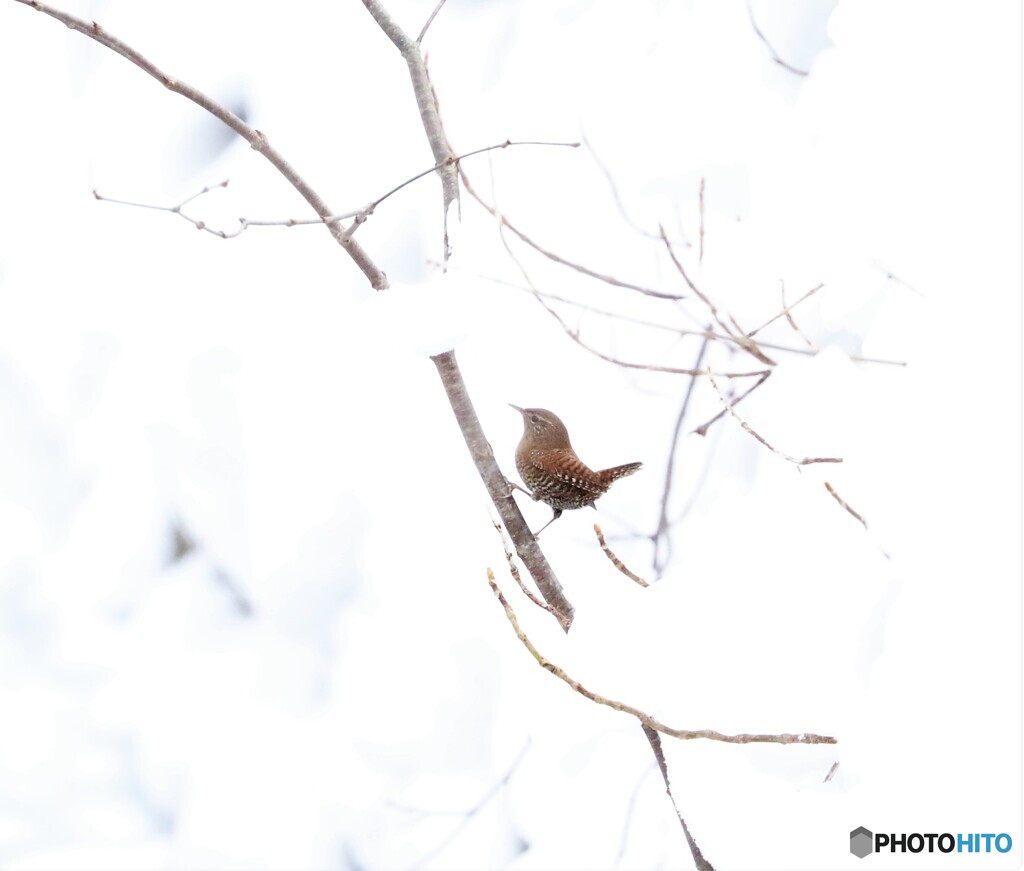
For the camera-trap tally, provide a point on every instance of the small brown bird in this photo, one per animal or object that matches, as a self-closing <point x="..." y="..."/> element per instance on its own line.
<point x="550" y="468"/>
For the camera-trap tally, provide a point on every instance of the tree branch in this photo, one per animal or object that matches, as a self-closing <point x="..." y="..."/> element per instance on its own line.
<point x="255" y="138"/>
<point x="644" y="718"/>
<point x="499" y="490"/>
<point x="443" y="154"/>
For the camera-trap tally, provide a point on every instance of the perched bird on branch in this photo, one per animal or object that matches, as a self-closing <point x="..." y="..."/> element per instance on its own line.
<point x="550" y="468"/>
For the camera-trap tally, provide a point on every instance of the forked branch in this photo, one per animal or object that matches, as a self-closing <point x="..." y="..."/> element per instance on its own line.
<point x="256" y="139"/>
<point x="645" y="719"/>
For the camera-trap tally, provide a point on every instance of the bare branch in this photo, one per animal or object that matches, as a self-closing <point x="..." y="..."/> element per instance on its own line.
<point x="700" y="259"/>
<point x="654" y="738"/>
<point x="430" y="20"/>
<point x="444" y="157"/>
<point x="702" y="430"/>
<point x="255" y="138"/>
<point x="786" y="309"/>
<point x="498" y="488"/>
<point x="619" y="564"/>
<point x="513" y="570"/>
<point x="573" y="334"/>
<point x="663" y="524"/>
<point x="771" y="49"/>
<point x="555" y="258"/>
<point x="841" y="501"/>
<point x="700" y="294"/>
<point x="360" y="215"/>
<point x="806" y="461"/>
<point x="646" y="719"/>
<point x="467" y="815"/>
<point x="789" y="317"/>
<point x="670" y="328"/>
<point x="617" y="197"/>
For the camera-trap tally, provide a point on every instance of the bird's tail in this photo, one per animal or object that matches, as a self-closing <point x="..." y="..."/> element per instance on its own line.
<point x="616" y="472"/>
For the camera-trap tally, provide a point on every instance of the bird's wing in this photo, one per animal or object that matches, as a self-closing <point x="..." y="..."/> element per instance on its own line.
<point x="566" y="467"/>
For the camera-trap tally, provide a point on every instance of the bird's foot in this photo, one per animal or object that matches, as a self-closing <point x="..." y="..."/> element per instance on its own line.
<point x="512" y="487"/>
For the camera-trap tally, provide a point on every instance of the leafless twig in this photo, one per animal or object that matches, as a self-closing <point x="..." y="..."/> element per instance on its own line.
<point x="788" y="315"/>
<point x="631" y="808"/>
<point x="359" y="216"/>
<point x="786" y="309"/>
<point x="831" y="772"/>
<point x="644" y="718"/>
<point x="619" y="564"/>
<point x="654" y="738"/>
<point x="513" y="570"/>
<point x="667" y="327"/>
<point x="771" y="49"/>
<point x="444" y="157"/>
<point x="255" y="138"/>
<point x="430" y="20"/>
<point x="617" y="197"/>
<point x="660" y="533"/>
<point x="841" y="501"/>
<point x="555" y="258"/>
<point x="702" y="430"/>
<point x="806" y="461"/>
<point x="467" y="816"/>
<point x="700" y="294"/>
<point x="700" y="259"/>
<point x="573" y="334"/>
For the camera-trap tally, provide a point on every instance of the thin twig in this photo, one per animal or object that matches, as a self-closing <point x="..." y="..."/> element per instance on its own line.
<point x="702" y="430"/>
<point x="654" y="738"/>
<point x="669" y="328"/>
<point x="841" y="501"/>
<point x="619" y="564"/>
<point x="513" y="570"/>
<point x="786" y="309"/>
<point x="771" y="49"/>
<point x="427" y="104"/>
<point x="700" y="259"/>
<point x="739" y="337"/>
<point x="806" y="461"/>
<point x="663" y="525"/>
<point x="467" y="816"/>
<point x="555" y="258"/>
<point x="360" y="215"/>
<point x="789" y="316"/>
<point x="617" y="197"/>
<point x="573" y="334"/>
<point x="430" y="20"/>
<point x="627" y="823"/>
<point x="646" y="719"/>
<point x="831" y="772"/>
<point x="700" y="294"/>
<point x="255" y="138"/>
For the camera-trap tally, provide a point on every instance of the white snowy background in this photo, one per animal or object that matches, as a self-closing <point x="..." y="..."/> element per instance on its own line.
<point x="324" y="679"/>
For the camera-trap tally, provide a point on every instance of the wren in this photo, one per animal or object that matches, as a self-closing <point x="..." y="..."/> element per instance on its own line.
<point x="549" y="466"/>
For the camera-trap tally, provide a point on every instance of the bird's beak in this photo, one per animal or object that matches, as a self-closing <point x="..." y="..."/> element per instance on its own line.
<point x="517" y="408"/>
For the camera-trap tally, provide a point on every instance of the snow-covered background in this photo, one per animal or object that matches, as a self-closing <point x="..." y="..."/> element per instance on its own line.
<point x="244" y="617"/>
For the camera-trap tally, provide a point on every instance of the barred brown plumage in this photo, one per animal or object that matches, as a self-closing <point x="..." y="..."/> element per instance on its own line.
<point x="550" y="468"/>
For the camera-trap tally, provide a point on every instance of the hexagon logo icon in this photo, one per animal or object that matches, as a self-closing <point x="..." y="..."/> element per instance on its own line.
<point x="861" y="842"/>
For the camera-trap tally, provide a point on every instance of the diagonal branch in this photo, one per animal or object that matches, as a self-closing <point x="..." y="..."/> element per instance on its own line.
<point x="499" y="490"/>
<point x="255" y="138"/>
<point x="806" y="461"/>
<point x="644" y="718"/>
<point x="699" y="861"/>
<point x="444" y="157"/>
